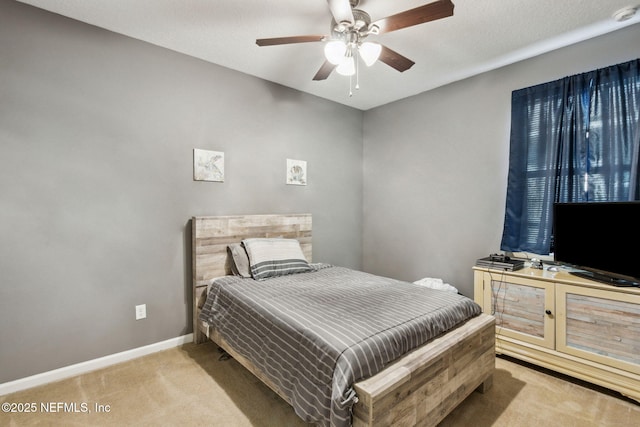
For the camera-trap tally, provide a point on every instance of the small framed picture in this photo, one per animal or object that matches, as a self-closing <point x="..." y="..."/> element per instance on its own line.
<point x="296" y="172"/>
<point x="208" y="165"/>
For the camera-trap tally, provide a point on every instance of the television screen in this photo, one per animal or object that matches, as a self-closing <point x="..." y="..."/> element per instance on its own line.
<point x="599" y="237"/>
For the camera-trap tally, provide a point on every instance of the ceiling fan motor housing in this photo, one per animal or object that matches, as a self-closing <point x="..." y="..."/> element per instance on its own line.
<point x="360" y="27"/>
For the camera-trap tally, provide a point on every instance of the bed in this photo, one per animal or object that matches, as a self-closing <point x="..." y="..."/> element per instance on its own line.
<point x="415" y="383"/>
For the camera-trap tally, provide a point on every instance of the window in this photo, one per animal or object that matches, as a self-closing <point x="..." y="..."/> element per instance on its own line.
<point x="576" y="139"/>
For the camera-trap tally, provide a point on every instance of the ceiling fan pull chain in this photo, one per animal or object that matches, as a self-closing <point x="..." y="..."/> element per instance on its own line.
<point x="357" y="69"/>
<point x="350" y="91"/>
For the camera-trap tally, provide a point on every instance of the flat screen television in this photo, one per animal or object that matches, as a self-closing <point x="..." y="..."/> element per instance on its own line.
<point x="602" y="239"/>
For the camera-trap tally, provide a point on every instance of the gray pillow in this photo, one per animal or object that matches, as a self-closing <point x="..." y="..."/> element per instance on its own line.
<point x="239" y="260"/>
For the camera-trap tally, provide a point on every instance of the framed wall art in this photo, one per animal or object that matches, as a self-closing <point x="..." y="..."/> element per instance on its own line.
<point x="208" y="165"/>
<point x="296" y="172"/>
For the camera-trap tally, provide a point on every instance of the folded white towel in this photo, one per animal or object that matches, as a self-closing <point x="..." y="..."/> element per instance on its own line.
<point x="438" y="284"/>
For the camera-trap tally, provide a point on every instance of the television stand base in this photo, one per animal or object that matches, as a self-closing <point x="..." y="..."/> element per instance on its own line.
<point x="560" y="321"/>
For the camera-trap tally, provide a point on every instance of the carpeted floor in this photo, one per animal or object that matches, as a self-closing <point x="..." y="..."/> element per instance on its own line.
<point x="189" y="386"/>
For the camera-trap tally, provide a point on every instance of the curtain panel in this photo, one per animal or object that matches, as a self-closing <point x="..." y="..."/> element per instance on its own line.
<point x="576" y="139"/>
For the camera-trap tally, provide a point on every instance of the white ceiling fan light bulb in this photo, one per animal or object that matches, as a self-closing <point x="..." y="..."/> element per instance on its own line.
<point x="334" y="51"/>
<point x="347" y="67"/>
<point x="370" y="52"/>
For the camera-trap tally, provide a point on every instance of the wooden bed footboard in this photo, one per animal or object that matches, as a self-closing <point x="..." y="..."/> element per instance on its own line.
<point x="423" y="387"/>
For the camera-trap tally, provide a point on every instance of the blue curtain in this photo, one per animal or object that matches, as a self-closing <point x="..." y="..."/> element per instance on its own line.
<point x="576" y="139"/>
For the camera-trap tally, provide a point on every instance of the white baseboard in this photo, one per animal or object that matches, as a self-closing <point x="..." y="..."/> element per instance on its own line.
<point x="91" y="365"/>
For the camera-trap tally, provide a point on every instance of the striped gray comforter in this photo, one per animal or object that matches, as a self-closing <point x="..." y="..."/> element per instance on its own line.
<point x="315" y="334"/>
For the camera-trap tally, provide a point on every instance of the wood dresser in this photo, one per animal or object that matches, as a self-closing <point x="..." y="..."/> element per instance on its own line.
<point x="571" y="325"/>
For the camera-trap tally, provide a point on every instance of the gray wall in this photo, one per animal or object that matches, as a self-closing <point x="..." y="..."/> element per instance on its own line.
<point x="96" y="189"/>
<point x="435" y="165"/>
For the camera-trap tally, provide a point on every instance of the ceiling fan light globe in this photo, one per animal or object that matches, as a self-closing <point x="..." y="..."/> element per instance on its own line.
<point x="334" y="51"/>
<point x="370" y="52"/>
<point x="347" y="67"/>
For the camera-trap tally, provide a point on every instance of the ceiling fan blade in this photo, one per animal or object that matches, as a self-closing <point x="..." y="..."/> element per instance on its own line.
<point x="395" y="60"/>
<point x="324" y="71"/>
<point x="429" y="12"/>
<point x="341" y="10"/>
<point x="289" y="40"/>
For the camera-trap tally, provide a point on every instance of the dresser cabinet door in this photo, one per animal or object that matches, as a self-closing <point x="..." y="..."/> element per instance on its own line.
<point x="523" y="308"/>
<point x="599" y="325"/>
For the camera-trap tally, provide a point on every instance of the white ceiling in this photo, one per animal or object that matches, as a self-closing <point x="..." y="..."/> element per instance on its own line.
<point x="480" y="36"/>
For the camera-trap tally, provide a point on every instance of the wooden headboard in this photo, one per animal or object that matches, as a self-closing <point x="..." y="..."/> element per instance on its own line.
<point x="212" y="234"/>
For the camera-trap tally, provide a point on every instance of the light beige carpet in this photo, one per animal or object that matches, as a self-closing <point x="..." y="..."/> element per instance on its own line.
<point x="189" y="386"/>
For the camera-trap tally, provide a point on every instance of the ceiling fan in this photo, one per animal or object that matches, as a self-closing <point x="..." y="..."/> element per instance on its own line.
<point x="351" y="26"/>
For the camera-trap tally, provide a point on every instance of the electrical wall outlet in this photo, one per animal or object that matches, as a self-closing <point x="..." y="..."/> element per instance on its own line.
<point x="141" y="311"/>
